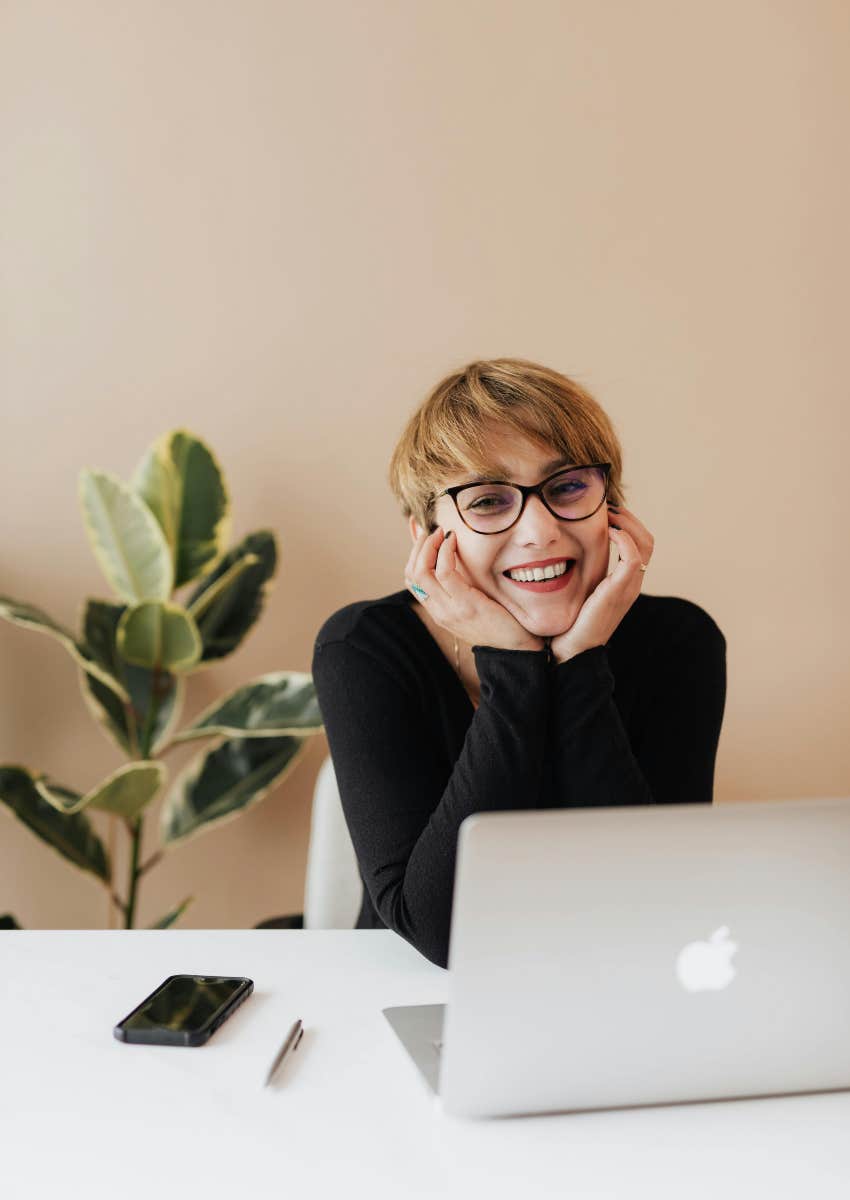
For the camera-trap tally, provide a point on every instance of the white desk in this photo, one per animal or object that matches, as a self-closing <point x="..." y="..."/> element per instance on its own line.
<point x="83" y="1115"/>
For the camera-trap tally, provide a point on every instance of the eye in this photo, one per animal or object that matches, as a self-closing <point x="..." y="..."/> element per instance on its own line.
<point x="572" y="485"/>
<point x="485" y="502"/>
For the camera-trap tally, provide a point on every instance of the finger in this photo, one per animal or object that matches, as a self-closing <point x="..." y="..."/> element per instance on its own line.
<point x="414" y="551"/>
<point x="446" y="569"/>
<point x="430" y="549"/>
<point x="634" y="526"/>
<point x="413" y="569"/>
<point x="628" y="566"/>
<point x="629" y="555"/>
<point x="421" y="548"/>
<point x="423" y="567"/>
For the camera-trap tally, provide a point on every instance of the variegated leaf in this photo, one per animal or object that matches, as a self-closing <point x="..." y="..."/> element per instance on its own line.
<point x="159" y="634"/>
<point x="183" y="485"/>
<point x="69" y="835"/>
<point x="125" y="793"/>
<point x="170" y="917"/>
<point x="30" y="617"/>
<point x="225" y="622"/>
<point x="274" y="705"/>
<point x="219" y="784"/>
<point x="126" y="538"/>
<point x="126" y="722"/>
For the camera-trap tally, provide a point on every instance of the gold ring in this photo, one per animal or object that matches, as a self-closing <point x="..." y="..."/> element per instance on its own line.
<point x="643" y="566"/>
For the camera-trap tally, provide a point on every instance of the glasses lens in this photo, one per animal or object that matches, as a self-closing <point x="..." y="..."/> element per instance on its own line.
<point x="576" y="494"/>
<point x="489" y="507"/>
<point x="492" y="507"/>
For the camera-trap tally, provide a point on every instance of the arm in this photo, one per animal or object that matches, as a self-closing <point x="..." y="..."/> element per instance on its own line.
<point x="403" y="800"/>
<point x="679" y="712"/>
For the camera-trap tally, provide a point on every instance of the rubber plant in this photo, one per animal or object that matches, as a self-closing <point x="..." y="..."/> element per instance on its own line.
<point x="166" y="529"/>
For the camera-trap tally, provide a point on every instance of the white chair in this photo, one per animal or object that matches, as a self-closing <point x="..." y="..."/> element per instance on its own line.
<point x="333" y="891"/>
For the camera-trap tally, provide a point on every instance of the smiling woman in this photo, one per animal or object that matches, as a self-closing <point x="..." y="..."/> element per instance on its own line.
<point x="514" y="670"/>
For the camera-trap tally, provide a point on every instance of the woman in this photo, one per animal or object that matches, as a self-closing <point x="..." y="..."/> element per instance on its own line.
<point x="486" y="684"/>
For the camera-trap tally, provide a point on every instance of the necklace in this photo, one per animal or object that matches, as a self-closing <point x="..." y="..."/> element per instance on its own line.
<point x="472" y="693"/>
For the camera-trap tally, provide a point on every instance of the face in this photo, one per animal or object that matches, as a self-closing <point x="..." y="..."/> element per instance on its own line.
<point x="537" y="535"/>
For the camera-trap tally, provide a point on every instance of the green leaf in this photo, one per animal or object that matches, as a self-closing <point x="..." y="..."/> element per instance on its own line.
<point x="183" y="486"/>
<point x="126" y="792"/>
<point x="7" y="921"/>
<point x="126" y="538"/>
<point x="224" y="623"/>
<point x="222" y="583"/>
<point x="292" y="921"/>
<point x="156" y="481"/>
<point x="100" y="625"/>
<point x="159" y="634"/>
<point x="219" y="784"/>
<point x="71" y="836"/>
<point x="176" y="913"/>
<point x="30" y="617"/>
<point x="283" y="702"/>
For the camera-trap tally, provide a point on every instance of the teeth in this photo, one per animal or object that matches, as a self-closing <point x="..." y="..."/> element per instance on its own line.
<point x="534" y="574"/>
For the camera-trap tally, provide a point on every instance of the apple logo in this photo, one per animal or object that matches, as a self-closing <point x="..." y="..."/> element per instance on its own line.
<point x="706" y="966"/>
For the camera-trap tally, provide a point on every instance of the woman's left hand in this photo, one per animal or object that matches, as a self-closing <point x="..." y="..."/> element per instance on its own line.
<point x="607" y="604"/>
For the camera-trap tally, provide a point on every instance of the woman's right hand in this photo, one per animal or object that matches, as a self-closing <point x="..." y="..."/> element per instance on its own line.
<point x="455" y="605"/>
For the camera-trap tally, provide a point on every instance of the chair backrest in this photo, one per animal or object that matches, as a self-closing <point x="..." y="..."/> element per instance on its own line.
<point x="333" y="891"/>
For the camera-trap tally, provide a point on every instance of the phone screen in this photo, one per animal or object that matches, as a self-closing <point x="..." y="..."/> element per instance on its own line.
<point x="184" y="1008"/>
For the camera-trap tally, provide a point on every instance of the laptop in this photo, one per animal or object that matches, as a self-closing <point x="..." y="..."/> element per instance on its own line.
<point x="604" y="958"/>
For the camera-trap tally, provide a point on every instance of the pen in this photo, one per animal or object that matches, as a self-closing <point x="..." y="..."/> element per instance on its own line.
<point x="290" y="1043"/>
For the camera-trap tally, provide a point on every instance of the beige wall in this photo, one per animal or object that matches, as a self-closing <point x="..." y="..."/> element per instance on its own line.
<point x="278" y="224"/>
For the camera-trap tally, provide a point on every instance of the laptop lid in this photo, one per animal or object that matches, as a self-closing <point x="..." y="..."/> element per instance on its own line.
<point x="620" y="956"/>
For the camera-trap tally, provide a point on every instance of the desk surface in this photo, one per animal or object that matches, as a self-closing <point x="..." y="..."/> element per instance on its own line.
<point x="85" y="1115"/>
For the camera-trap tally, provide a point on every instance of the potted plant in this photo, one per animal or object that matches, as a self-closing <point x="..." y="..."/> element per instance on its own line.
<point x="167" y="529"/>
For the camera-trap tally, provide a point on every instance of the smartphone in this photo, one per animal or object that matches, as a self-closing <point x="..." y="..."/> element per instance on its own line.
<point x="185" y="1010"/>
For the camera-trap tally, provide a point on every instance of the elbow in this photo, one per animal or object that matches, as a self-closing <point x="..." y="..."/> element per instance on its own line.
<point x="438" y="954"/>
<point x="429" y="935"/>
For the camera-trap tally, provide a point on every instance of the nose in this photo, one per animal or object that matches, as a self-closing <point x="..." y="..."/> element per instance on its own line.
<point x="537" y="526"/>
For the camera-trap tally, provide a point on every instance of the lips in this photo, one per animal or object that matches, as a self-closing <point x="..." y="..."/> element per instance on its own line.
<point x="547" y="585"/>
<point x="541" y="562"/>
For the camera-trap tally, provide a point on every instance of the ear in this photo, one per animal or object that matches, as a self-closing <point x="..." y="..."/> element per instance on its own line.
<point x="414" y="528"/>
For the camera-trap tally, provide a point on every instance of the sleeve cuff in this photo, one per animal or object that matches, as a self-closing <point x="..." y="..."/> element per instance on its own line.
<point x="583" y="676"/>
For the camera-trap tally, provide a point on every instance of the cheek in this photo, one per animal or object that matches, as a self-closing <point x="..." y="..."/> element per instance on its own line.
<point x="596" y="557"/>
<point x="475" y="569"/>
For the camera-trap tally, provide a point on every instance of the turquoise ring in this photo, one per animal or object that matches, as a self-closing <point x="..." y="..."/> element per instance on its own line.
<point x="418" y="592"/>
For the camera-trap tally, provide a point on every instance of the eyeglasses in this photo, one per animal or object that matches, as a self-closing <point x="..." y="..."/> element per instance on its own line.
<point x="492" y="506"/>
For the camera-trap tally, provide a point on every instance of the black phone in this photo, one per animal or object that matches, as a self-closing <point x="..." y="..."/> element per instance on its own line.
<point x="185" y="1010"/>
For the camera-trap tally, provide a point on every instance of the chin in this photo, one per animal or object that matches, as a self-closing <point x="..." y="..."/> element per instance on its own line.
<point x="547" y="624"/>
<point x="548" y="627"/>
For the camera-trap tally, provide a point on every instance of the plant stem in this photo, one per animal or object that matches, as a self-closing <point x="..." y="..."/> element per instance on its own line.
<point x="136" y="834"/>
<point x="136" y="826"/>
<point x="152" y="861"/>
<point x="150" y="717"/>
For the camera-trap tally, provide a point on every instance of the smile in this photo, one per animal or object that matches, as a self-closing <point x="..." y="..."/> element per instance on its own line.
<point x="539" y="579"/>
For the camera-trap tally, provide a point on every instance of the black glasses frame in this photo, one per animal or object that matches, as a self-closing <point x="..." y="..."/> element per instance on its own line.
<point x="527" y="490"/>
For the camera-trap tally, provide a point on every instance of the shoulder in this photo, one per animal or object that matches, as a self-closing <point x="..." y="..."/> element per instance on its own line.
<point x="669" y="621"/>
<point x="368" y="638"/>
<point x="363" y="619"/>
<point x="371" y="646"/>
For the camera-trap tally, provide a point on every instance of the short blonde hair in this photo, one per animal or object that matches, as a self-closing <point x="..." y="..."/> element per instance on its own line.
<point x="446" y="435"/>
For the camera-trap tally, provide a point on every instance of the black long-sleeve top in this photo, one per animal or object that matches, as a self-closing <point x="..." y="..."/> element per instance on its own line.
<point x="636" y="721"/>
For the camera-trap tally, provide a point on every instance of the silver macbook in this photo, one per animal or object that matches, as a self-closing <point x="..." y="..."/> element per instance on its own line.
<point x="624" y="956"/>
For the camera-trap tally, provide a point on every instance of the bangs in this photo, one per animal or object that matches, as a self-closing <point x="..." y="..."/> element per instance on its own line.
<point x="449" y="434"/>
<point x="470" y="453"/>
